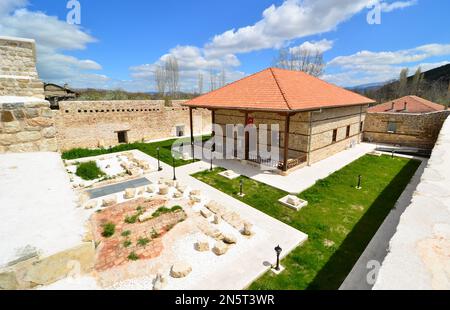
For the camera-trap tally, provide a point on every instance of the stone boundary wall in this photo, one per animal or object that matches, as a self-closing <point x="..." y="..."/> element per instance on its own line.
<point x="18" y="74"/>
<point x="91" y="124"/>
<point x="414" y="130"/>
<point x="418" y="257"/>
<point x="26" y="125"/>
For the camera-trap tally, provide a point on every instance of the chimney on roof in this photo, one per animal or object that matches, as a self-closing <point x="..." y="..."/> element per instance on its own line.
<point x="405" y="108"/>
<point x="393" y="105"/>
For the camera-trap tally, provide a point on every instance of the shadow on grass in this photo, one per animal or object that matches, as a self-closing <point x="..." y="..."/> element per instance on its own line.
<point x="333" y="274"/>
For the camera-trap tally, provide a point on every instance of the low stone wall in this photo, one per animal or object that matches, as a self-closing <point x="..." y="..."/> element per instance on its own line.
<point x="18" y="74"/>
<point x="26" y="125"/>
<point x="90" y="124"/>
<point x="419" y="251"/>
<point x="414" y="130"/>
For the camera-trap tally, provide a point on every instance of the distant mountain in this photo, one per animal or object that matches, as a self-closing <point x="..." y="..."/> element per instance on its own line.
<point x="369" y="86"/>
<point x="440" y="74"/>
<point x="434" y="87"/>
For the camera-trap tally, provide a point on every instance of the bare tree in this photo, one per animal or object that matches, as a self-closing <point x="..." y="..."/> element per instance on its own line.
<point x="200" y="83"/>
<point x="403" y="83"/>
<point x="172" y="75"/>
<point x="212" y="80"/>
<point x="223" y="78"/>
<point x="417" y="82"/>
<point x="302" y="59"/>
<point x="161" y="79"/>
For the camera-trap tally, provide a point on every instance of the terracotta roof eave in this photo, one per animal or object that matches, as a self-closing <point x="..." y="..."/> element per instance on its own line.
<point x="274" y="110"/>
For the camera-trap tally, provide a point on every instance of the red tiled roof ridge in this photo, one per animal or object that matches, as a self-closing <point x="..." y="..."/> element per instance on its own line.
<point x="279" y="87"/>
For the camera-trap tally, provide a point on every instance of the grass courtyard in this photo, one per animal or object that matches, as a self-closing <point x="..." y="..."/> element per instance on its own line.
<point x="339" y="220"/>
<point x="165" y="151"/>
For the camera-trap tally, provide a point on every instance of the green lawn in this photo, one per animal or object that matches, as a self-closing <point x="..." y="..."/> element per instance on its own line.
<point x="148" y="148"/>
<point x="339" y="220"/>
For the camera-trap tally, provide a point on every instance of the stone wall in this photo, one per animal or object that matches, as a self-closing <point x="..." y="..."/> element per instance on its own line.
<point x="418" y="257"/>
<point x="18" y="75"/>
<point x="90" y="124"/>
<point x="414" y="130"/>
<point x="328" y="120"/>
<point x="26" y="126"/>
<point x="322" y="124"/>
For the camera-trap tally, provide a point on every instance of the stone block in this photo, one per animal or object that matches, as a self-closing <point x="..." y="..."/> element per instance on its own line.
<point x="180" y="270"/>
<point x="202" y="245"/>
<point x="11" y="127"/>
<point x="229" y="238"/>
<point x="163" y="189"/>
<point x="28" y="136"/>
<point x="49" y="132"/>
<point x="109" y="201"/>
<point x="220" y="248"/>
<point x="130" y="193"/>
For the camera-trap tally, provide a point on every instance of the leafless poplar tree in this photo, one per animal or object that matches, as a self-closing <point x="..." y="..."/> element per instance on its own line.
<point x="172" y="75"/>
<point x="417" y="82"/>
<point x="212" y="80"/>
<point x="161" y="79"/>
<point x="306" y="60"/>
<point x="223" y="78"/>
<point x="200" y="83"/>
<point x="403" y="83"/>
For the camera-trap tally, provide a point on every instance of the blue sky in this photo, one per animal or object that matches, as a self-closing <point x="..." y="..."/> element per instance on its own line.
<point x="119" y="43"/>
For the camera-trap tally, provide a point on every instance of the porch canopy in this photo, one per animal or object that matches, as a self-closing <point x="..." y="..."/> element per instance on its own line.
<point x="276" y="90"/>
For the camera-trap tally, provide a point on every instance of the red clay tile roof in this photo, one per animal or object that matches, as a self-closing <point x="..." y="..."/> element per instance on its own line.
<point x="414" y="104"/>
<point x="280" y="90"/>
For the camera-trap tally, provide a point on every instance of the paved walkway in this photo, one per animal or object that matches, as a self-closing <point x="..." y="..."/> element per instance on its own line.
<point x="304" y="178"/>
<point x="378" y="246"/>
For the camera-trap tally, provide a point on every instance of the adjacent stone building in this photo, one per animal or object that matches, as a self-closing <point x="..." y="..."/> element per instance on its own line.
<point x="409" y="121"/>
<point x="26" y="122"/>
<point x="315" y="119"/>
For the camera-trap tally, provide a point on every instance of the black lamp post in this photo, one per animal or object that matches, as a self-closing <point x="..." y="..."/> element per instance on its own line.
<point x="193" y="151"/>
<point x="241" y="188"/>
<point x="278" y="250"/>
<point x="173" y="165"/>
<point x="359" y="182"/>
<point x="159" y="164"/>
<point x="393" y="151"/>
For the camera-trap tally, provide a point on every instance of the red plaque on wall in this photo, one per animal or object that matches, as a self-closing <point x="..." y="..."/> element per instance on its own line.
<point x="250" y="121"/>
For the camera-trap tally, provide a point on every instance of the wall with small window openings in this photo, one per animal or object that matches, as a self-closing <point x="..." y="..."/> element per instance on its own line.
<point x="97" y="123"/>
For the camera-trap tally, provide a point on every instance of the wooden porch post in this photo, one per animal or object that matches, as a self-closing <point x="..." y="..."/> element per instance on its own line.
<point x="286" y="141"/>
<point x="191" y="122"/>
<point x="246" y="138"/>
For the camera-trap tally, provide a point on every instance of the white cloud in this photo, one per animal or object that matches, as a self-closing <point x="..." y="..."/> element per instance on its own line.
<point x="53" y="37"/>
<point x="291" y="20"/>
<point x="389" y="7"/>
<point x="368" y="67"/>
<point x="321" y="46"/>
